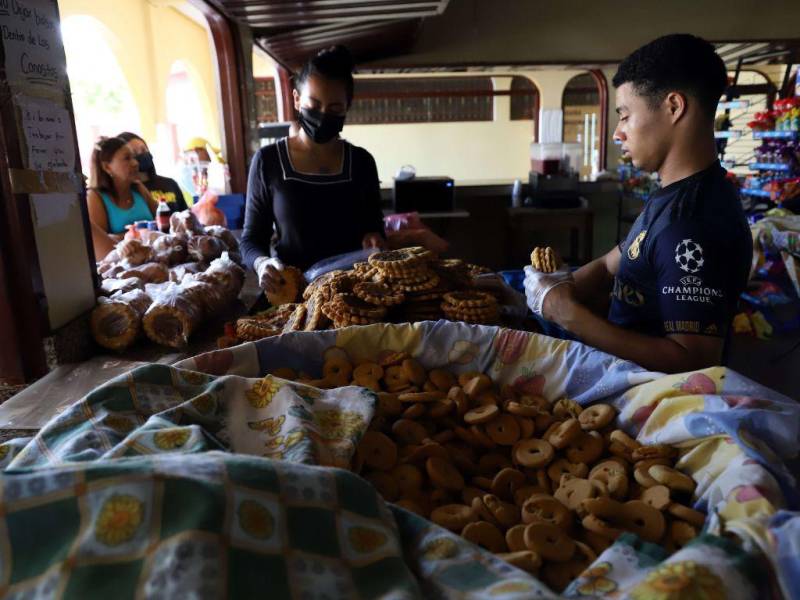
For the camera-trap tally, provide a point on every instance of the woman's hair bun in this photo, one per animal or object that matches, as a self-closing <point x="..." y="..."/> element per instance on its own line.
<point x="334" y="63"/>
<point x="335" y="59"/>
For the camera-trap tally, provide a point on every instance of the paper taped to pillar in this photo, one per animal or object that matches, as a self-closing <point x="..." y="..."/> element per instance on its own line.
<point x="63" y="257"/>
<point x="34" y="52"/>
<point x="47" y="132"/>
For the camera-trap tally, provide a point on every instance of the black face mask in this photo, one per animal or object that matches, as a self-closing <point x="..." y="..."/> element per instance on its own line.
<point x="145" y="160"/>
<point x="320" y="127"/>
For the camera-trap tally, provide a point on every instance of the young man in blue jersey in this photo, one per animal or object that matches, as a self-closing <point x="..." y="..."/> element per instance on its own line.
<point x="675" y="281"/>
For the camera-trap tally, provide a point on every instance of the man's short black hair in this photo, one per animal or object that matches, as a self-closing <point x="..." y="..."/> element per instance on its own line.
<point x="678" y="62"/>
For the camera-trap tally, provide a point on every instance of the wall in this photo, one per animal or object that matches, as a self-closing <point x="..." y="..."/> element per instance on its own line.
<point x="147" y="38"/>
<point x="473" y="152"/>
<point x="263" y="65"/>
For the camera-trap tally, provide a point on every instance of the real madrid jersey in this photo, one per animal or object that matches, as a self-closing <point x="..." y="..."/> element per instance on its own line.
<point x="686" y="259"/>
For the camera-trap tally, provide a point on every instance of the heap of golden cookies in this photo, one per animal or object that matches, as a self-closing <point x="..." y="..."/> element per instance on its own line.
<point x="546" y="486"/>
<point x="395" y="286"/>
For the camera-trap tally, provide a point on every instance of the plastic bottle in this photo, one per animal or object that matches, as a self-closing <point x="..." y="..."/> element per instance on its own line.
<point x="162" y="216"/>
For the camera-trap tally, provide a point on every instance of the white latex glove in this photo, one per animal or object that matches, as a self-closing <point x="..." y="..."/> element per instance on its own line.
<point x="512" y="303"/>
<point x="538" y="285"/>
<point x="269" y="272"/>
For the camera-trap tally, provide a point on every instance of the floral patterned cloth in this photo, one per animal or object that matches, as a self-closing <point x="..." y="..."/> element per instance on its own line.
<point x="126" y="493"/>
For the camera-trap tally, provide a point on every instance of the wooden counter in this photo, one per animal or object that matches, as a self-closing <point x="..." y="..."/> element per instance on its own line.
<point x="501" y="237"/>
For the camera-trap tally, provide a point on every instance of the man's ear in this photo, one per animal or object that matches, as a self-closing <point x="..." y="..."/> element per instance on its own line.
<point x="296" y="97"/>
<point x="676" y="105"/>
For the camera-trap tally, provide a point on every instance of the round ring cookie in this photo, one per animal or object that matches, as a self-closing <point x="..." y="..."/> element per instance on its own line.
<point x="378" y="293"/>
<point x="378" y="450"/>
<point x="453" y="516"/>
<point x="549" y="542"/>
<point x="290" y="285"/>
<point x="350" y="303"/>
<point x="443" y="474"/>
<point x="485" y="535"/>
<point x="596" y="416"/>
<point x="395" y="260"/>
<point x="470" y="299"/>
<point x="533" y="453"/>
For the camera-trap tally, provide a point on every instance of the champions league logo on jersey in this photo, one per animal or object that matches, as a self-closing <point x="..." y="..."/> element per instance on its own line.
<point x="691" y="289"/>
<point x="691" y="280"/>
<point x="689" y="256"/>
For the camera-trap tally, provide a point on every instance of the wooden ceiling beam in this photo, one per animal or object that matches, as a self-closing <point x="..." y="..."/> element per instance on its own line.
<point x="342" y="8"/>
<point x="294" y="4"/>
<point x="311" y="20"/>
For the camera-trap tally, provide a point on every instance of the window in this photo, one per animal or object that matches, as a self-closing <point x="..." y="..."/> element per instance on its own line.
<point x="584" y="118"/>
<point x="101" y="97"/>
<point x="421" y="100"/>
<point x="524" y="99"/>
<point x="266" y="100"/>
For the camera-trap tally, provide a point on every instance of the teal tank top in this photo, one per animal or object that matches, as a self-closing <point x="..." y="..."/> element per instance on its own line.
<point x="118" y="217"/>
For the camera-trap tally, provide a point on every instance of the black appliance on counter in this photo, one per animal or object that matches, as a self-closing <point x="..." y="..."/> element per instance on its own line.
<point x="552" y="191"/>
<point x="423" y="195"/>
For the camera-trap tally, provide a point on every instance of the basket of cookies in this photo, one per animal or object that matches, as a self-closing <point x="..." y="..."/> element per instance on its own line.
<point x="557" y="459"/>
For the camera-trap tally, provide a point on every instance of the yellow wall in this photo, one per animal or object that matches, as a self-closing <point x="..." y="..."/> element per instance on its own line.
<point x="263" y="65"/>
<point x="479" y="151"/>
<point x="147" y="38"/>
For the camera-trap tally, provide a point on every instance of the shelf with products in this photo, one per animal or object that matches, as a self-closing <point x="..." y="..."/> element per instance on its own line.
<point x="734" y="104"/>
<point x="730" y="134"/>
<point x="776" y="135"/>
<point x="756" y="192"/>
<point x="758" y="166"/>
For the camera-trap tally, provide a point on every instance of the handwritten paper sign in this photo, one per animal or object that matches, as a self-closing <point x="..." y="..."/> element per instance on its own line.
<point x="47" y="130"/>
<point x="34" y="51"/>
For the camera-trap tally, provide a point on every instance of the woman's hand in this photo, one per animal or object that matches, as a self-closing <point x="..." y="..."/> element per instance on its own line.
<point x="373" y="240"/>
<point x="269" y="273"/>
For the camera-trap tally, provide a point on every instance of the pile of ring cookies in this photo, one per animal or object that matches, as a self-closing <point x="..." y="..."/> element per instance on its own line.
<point x="545" y="260"/>
<point x="547" y="487"/>
<point x="396" y="286"/>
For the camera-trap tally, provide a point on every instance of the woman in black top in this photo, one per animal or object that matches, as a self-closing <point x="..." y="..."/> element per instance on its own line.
<point x="160" y="188"/>
<point x="312" y="195"/>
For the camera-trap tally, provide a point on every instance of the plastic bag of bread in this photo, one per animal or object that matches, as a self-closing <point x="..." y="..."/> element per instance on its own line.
<point x="185" y="222"/>
<point x="108" y="262"/>
<point x="172" y="317"/>
<point x="116" y="322"/>
<point x="174" y="256"/>
<point x="170" y="249"/>
<point x="134" y="252"/>
<point x="206" y="248"/>
<point x="209" y="294"/>
<point x="225" y="235"/>
<point x="228" y="273"/>
<point x="114" y="271"/>
<point x="152" y="272"/>
<point x="178" y="272"/>
<point x="149" y="236"/>
<point x="109" y="287"/>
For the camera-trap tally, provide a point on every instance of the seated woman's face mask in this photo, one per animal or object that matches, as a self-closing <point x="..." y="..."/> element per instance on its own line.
<point x="320" y="127"/>
<point x="145" y="160"/>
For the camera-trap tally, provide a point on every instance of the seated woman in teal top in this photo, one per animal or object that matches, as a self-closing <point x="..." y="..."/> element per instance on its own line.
<point x="116" y="198"/>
